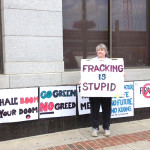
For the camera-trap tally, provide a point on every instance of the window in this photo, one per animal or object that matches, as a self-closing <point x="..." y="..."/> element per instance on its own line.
<point x="85" y="25"/>
<point x="130" y="28"/>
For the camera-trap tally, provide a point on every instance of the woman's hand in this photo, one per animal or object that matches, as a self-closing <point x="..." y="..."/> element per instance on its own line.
<point x="124" y="74"/>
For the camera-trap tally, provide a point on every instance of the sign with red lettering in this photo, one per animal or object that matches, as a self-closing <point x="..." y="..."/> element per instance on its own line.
<point x="146" y="90"/>
<point x="102" y="77"/>
<point x="18" y="105"/>
<point x="57" y="101"/>
<point x="141" y="94"/>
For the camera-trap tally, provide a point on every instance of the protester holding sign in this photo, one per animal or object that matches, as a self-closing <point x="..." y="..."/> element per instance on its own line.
<point x="101" y="79"/>
<point x="105" y="102"/>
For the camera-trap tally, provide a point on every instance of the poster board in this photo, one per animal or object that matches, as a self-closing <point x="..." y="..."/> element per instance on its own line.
<point x="124" y="106"/>
<point x="57" y="101"/>
<point x="102" y="77"/>
<point x="141" y="94"/>
<point x="83" y="103"/>
<point x="18" y="105"/>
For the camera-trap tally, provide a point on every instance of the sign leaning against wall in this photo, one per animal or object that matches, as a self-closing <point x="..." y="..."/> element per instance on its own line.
<point x="57" y="101"/>
<point x="18" y="105"/>
<point x="141" y="94"/>
<point x="123" y="106"/>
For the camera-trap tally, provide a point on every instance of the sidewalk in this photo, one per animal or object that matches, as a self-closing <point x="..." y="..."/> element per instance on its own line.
<point x="134" y="135"/>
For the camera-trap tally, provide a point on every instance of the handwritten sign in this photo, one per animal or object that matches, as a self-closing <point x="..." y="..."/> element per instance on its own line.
<point x="18" y="105"/>
<point x="141" y="94"/>
<point x="123" y="106"/>
<point x="57" y="101"/>
<point x="102" y="77"/>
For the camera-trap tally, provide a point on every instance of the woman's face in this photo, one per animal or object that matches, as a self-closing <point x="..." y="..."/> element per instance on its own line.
<point x="101" y="53"/>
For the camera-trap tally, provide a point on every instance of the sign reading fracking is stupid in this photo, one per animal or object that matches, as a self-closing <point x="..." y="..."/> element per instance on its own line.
<point x="102" y="77"/>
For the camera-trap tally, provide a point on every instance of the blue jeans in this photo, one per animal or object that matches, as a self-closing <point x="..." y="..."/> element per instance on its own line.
<point x="105" y="102"/>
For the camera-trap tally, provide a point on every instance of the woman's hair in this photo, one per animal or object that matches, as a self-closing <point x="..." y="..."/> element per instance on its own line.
<point x="102" y="46"/>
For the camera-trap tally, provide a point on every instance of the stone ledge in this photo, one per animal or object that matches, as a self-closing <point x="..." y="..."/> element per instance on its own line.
<point x="33" y="67"/>
<point x="35" y="80"/>
<point x="61" y="78"/>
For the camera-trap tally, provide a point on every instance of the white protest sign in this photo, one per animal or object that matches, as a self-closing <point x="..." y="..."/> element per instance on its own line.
<point x="57" y="101"/>
<point x="18" y="105"/>
<point x="102" y="77"/>
<point x="83" y="103"/>
<point x="141" y="94"/>
<point x="124" y="106"/>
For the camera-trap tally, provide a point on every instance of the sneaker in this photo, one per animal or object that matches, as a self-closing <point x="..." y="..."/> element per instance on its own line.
<point x="107" y="133"/>
<point x="94" y="132"/>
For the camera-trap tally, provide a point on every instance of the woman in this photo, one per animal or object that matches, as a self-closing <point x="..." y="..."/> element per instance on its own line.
<point x="105" y="102"/>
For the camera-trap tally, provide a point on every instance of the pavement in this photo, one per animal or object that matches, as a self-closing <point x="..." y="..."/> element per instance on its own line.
<point x="133" y="135"/>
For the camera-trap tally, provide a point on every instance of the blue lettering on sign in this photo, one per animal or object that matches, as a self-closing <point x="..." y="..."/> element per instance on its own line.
<point x="58" y="93"/>
<point x="128" y="87"/>
<point x="102" y="76"/>
<point x="119" y="102"/>
<point x="114" y="110"/>
<point x="126" y="94"/>
<point x="124" y="109"/>
<point x="45" y="94"/>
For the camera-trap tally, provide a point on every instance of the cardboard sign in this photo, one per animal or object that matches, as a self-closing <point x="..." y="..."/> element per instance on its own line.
<point x="18" y="105"/>
<point x="141" y="94"/>
<point x="84" y="104"/>
<point x="102" y="77"/>
<point x="57" y="101"/>
<point x="123" y="106"/>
